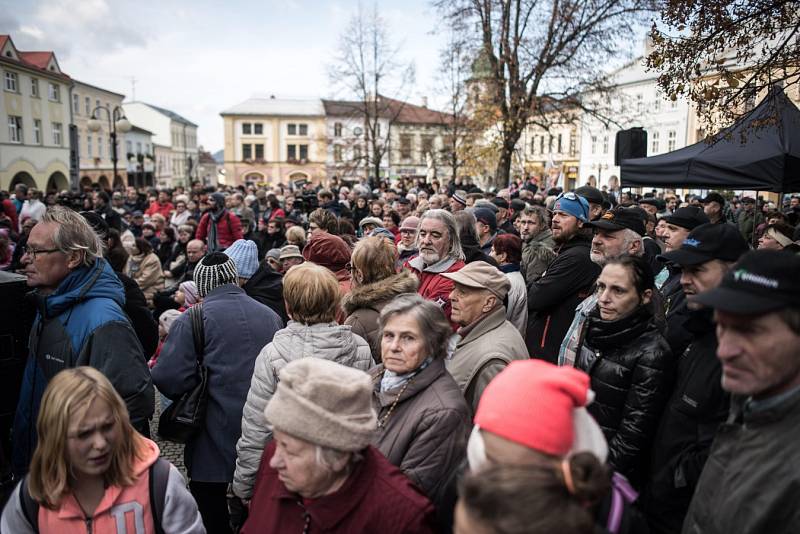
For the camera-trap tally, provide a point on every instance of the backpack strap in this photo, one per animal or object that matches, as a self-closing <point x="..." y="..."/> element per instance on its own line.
<point x="30" y="508"/>
<point x="159" y="476"/>
<point x="198" y="331"/>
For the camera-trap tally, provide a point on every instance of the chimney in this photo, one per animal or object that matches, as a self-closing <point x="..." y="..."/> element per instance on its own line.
<point x="424" y="101"/>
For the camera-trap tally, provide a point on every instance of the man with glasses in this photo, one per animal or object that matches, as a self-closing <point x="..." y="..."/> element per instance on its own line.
<point x="79" y="322"/>
<point x="568" y="280"/>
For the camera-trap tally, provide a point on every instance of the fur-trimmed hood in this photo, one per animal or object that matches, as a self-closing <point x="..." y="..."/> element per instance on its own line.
<point x="369" y="295"/>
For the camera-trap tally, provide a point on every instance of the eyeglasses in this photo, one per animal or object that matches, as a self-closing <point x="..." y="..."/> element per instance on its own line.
<point x="32" y="252"/>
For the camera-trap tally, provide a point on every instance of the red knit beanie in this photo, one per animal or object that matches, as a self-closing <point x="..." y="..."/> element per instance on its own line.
<point x="532" y="402"/>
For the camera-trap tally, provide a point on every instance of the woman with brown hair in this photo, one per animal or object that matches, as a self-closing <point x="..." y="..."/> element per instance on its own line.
<point x="145" y="269"/>
<point x="91" y="470"/>
<point x="533" y="499"/>
<point x="374" y="283"/>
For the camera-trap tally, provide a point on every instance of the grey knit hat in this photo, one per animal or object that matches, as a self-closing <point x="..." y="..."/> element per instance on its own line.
<point x="324" y="403"/>
<point x="214" y="270"/>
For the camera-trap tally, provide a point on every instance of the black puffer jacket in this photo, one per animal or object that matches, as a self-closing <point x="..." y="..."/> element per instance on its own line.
<point x="631" y="369"/>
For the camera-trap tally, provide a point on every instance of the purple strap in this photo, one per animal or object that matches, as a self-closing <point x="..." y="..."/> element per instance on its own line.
<point x="621" y="492"/>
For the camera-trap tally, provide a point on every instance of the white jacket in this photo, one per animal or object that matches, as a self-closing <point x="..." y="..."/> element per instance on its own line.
<point x="329" y="341"/>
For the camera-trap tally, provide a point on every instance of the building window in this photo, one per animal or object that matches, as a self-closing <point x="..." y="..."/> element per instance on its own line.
<point x="129" y="147"/>
<point x="405" y="146"/>
<point x="258" y="128"/>
<point x="654" y="145"/>
<point x="605" y="144"/>
<point x="337" y="153"/>
<point x="11" y="82"/>
<point x="97" y="103"/>
<point x="247" y="151"/>
<point x="87" y="104"/>
<point x="427" y="144"/>
<point x="138" y="147"/>
<point x="76" y="105"/>
<point x="640" y="103"/>
<point x="673" y="104"/>
<point x="657" y="104"/>
<point x="337" y="131"/>
<point x="291" y="129"/>
<point x="671" y="138"/>
<point x="53" y="92"/>
<point x="356" y="152"/>
<point x="378" y="130"/>
<point x="246" y="128"/>
<point x="259" y="150"/>
<point x="533" y="145"/>
<point x="34" y="87"/>
<point x="89" y="146"/>
<point x="37" y="132"/>
<point x="99" y="145"/>
<point x="541" y="144"/>
<point x="560" y="146"/>
<point x="14" y="129"/>
<point x="549" y="143"/>
<point x="594" y="144"/>
<point x="291" y="152"/>
<point x="573" y="143"/>
<point x="303" y="152"/>
<point x="302" y="129"/>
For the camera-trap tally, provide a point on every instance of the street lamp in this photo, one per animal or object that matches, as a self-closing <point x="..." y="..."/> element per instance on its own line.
<point x="116" y="122"/>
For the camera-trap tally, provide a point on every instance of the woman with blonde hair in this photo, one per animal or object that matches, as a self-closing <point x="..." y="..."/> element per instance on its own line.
<point x="375" y="283"/>
<point x="92" y="471"/>
<point x="311" y="293"/>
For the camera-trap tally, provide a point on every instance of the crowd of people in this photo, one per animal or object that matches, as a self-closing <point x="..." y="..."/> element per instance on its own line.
<point x="410" y="358"/>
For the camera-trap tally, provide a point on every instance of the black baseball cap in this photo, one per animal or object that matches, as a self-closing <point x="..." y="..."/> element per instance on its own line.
<point x="714" y="197"/>
<point x="486" y="216"/>
<point x="689" y="217"/>
<point x="652" y="201"/>
<point x="708" y="242"/>
<point x="748" y="200"/>
<point x="591" y="194"/>
<point x="762" y="281"/>
<point x="500" y="202"/>
<point x="620" y="219"/>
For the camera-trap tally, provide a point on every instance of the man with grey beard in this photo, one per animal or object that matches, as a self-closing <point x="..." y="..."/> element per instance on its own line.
<point x="439" y="252"/>
<point x="617" y="233"/>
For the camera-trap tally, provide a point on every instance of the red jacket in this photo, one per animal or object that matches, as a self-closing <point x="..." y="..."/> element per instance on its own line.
<point x="376" y="498"/>
<point x="229" y="229"/>
<point x="163" y="209"/>
<point x="432" y="285"/>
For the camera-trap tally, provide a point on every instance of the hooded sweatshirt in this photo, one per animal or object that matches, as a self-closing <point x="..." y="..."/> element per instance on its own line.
<point x="328" y="341"/>
<point x="121" y="510"/>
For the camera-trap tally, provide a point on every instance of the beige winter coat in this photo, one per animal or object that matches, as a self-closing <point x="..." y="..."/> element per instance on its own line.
<point x="146" y="272"/>
<point x="483" y="351"/>
<point x="363" y="306"/>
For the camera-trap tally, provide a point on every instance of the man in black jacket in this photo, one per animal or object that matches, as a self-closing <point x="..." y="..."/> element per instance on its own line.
<point x="568" y="280"/>
<point x="678" y="226"/>
<point x="698" y="404"/>
<point x="750" y="482"/>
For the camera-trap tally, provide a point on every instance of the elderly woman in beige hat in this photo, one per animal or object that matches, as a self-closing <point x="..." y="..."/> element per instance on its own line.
<point x="320" y="473"/>
<point x="423" y="419"/>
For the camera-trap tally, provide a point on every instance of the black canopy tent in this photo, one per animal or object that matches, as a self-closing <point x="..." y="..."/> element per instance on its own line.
<point x="768" y="159"/>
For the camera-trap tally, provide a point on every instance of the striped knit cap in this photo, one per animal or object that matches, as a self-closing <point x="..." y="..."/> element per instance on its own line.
<point x="214" y="270"/>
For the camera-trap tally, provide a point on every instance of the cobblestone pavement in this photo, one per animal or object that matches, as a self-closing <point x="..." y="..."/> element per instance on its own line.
<point x="169" y="449"/>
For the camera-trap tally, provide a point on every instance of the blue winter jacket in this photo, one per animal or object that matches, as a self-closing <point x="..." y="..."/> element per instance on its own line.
<point x="81" y="323"/>
<point x="236" y="328"/>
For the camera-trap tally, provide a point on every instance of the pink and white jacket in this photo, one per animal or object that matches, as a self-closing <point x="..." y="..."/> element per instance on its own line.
<point x="122" y="510"/>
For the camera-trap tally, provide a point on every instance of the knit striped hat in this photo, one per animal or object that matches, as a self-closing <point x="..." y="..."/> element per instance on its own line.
<point x="214" y="270"/>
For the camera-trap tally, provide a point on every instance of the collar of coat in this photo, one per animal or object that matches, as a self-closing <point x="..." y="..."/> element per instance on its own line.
<point x="425" y="378"/>
<point x="484" y="324"/>
<point x="371" y="295"/>
<point x="439" y="267"/>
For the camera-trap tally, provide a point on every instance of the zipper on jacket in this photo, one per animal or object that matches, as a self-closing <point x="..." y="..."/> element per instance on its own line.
<point x="88" y="525"/>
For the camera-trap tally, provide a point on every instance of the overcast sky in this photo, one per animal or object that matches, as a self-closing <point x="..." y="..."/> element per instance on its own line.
<point x="200" y="57"/>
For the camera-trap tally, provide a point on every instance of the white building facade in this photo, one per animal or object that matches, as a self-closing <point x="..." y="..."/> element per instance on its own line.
<point x="174" y="139"/>
<point x="636" y="102"/>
